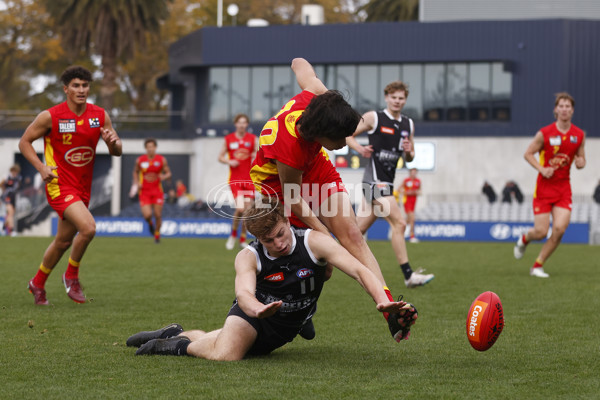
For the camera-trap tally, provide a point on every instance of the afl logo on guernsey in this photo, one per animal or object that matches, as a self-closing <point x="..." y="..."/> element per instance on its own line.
<point x="79" y="156"/>
<point x="304" y="273"/>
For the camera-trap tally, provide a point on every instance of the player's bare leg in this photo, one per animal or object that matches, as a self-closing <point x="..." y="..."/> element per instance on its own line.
<point x="560" y="221"/>
<point x="147" y="215"/>
<point x="393" y="216"/>
<point x="365" y="217"/>
<point x="229" y="343"/>
<point x="235" y="223"/>
<point x="158" y="209"/>
<point x="541" y="224"/>
<point x="338" y="216"/>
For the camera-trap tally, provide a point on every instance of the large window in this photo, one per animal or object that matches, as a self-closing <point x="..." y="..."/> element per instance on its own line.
<point x="452" y="92"/>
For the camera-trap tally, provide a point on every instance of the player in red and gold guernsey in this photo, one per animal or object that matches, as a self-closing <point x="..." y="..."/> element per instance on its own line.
<point x="238" y="151"/>
<point x="559" y="145"/>
<point x="71" y="131"/>
<point x="410" y="189"/>
<point x="149" y="172"/>
<point x="292" y="164"/>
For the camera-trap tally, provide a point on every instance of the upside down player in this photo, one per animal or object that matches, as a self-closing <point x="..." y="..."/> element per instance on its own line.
<point x="559" y="145"/>
<point x="292" y="164"/>
<point x="278" y="281"/>
<point x="71" y="131"/>
<point x="238" y="151"/>
<point x="149" y="172"/>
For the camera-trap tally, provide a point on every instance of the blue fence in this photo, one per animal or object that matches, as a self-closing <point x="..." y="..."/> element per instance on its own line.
<point x="425" y="231"/>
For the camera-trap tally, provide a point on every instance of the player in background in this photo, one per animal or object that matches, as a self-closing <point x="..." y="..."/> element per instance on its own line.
<point x="391" y="136"/>
<point x="149" y="172"/>
<point x="278" y="281"/>
<point x="10" y="186"/>
<point x="410" y="189"/>
<point x="559" y="145"/>
<point x="71" y="131"/>
<point x="292" y="164"/>
<point x="238" y="151"/>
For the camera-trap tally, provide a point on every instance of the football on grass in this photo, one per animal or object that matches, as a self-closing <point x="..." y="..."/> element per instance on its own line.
<point x="485" y="321"/>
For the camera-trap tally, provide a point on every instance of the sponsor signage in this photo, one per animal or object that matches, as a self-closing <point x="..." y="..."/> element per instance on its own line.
<point x="196" y="228"/>
<point x="477" y="231"/>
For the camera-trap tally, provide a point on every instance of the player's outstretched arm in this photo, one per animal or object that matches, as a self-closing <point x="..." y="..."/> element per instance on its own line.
<point x="306" y="76"/>
<point x="324" y="247"/>
<point x="245" y="286"/>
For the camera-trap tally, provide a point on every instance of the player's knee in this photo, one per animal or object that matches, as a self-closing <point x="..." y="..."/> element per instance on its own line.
<point x="62" y="244"/>
<point x="88" y="231"/>
<point x="398" y="225"/>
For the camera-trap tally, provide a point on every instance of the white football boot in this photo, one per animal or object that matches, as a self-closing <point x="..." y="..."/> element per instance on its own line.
<point x="418" y="279"/>
<point x="519" y="249"/>
<point x="538" y="272"/>
<point x="230" y="244"/>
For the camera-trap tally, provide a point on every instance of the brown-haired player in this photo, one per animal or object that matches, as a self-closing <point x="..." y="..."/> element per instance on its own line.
<point x="278" y="281"/>
<point x="559" y="145"/>
<point x="150" y="170"/>
<point x="238" y="151"/>
<point x="71" y="131"/>
<point x="292" y="164"/>
<point x="391" y="137"/>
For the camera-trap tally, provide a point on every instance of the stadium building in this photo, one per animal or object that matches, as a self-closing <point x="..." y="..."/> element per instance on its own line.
<point x="479" y="90"/>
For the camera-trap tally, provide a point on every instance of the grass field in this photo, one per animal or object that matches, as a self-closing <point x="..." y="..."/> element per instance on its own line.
<point x="549" y="347"/>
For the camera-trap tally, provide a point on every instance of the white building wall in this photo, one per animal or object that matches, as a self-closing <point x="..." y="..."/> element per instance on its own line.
<point x="462" y="165"/>
<point x="475" y="10"/>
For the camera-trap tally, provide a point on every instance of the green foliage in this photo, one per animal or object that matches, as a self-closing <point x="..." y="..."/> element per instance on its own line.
<point x="391" y="10"/>
<point x="548" y="349"/>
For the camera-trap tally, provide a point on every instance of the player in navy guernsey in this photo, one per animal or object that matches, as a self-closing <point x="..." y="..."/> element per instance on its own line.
<point x="278" y="281"/>
<point x="391" y="137"/>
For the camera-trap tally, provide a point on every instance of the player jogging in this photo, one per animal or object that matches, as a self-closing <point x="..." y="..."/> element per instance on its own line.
<point x="559" y="145"/>
<point x="149" y="172"/>
<point x="71" y="131"/>
<point x="410" y="189"/>
<point x="292" y="164"/>
<point x="391" y="137"/>
<point x="238" y="151"/>
<point x="278" y="281"/>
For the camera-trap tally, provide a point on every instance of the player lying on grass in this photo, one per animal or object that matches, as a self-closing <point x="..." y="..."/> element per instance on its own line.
<point x="279" y="278"/>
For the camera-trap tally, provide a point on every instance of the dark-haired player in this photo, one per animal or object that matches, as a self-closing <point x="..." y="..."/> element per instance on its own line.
<point x="292" y="164"/>
<point x="71" y="131"/>
<point x="391" y="136"/>
<point x="150" y="170"/>
<point x="559" y="145"/>
<point x="278" y="281"/>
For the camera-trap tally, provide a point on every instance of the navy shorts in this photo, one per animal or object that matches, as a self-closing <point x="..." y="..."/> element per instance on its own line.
<point x="271" y="333"/>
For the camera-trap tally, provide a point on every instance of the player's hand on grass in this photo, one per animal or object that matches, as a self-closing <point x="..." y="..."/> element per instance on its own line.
<point x="268" y="310"/>
<point x="395" y="307"/>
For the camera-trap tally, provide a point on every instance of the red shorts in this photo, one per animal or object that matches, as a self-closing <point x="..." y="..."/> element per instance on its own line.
<point x="409" y="204"/>
<point x="544" y="205"/>
<point x="242" y="188"/>
<point x="67" y="195"/>
<point x="149" y="197"/>
<point x="318" y="184"/>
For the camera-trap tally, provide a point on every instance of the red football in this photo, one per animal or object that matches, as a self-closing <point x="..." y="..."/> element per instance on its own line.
<point x="485" y="321"/>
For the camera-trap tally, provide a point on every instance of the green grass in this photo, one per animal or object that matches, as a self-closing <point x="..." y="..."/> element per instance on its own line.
<point x="549" y="347"/>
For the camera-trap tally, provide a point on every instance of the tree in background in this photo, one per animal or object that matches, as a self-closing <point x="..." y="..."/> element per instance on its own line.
<point x="391" y="10"/>
<point x="112" y="29"/>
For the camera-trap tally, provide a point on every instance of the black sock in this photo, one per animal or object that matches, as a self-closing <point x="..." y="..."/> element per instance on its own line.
<point x="181" y="349"/>
<point x="406" y="270"/>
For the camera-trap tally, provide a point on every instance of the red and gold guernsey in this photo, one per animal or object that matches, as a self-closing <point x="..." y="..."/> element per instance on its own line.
<point x="410" y="184"/>
<point x="240" y="150"/>
<point x="280" y="141"/>
<point x="150" y="169"/>
<point x="558" y="152"/>
<point x="71" y="147"/>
